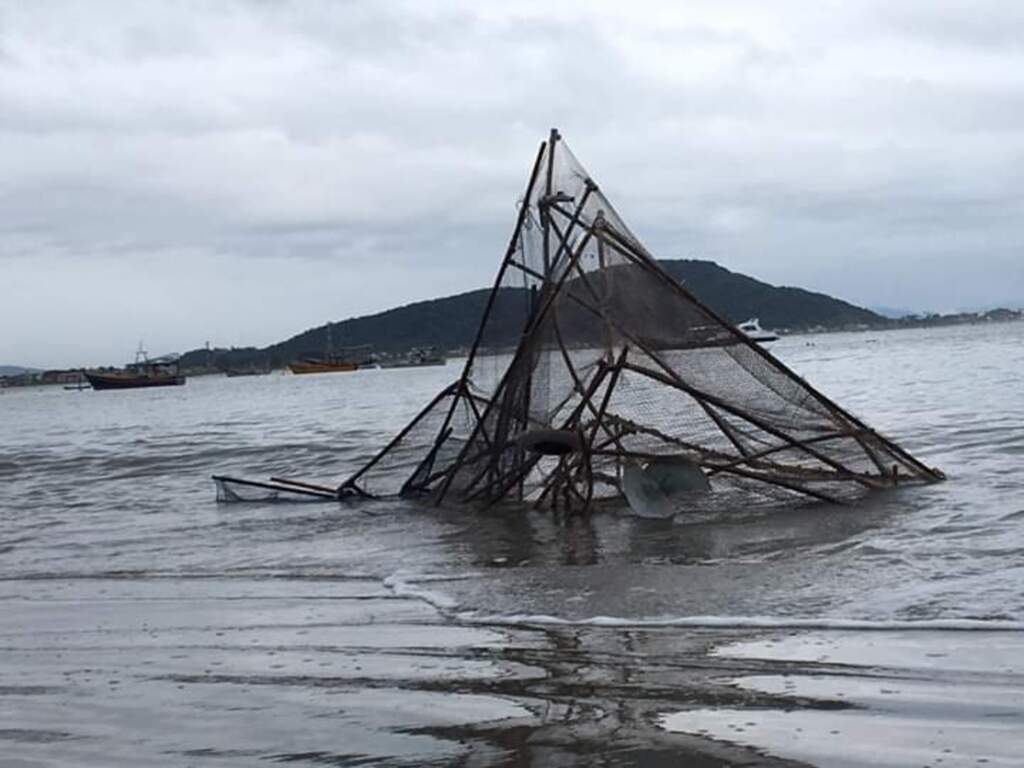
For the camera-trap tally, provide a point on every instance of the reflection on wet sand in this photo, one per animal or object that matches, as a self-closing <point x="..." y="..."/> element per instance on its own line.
<point x="910" y="698"/>
<point x="334" y="672"/>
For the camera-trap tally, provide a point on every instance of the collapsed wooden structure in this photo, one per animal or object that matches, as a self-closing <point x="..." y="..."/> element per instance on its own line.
<point x="590" y="360"/>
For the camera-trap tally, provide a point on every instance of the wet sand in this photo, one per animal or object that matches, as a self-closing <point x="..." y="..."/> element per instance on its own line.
<point x="165" y="670"/>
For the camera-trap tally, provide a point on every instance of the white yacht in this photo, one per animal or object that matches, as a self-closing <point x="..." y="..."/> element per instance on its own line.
<point x="753" y="331"/>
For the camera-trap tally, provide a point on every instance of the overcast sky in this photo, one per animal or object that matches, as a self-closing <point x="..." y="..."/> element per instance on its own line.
<point x="240" y="171"/>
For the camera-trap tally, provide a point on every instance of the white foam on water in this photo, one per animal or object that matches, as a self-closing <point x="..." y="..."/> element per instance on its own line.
<point x="990" y="652"/>
<point x="747" y="622"/>
<point x="428" y="578"/>
<point x="404" y="585"/>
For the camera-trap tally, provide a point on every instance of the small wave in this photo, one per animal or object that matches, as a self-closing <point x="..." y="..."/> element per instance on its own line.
<point x="427" y="578"/>
<point x="748" y="622"/>
<point x="875" y="550"/>
<point x="403" y="585"/>
<point x="254" y="574"/>
<point x="117" y="463"/>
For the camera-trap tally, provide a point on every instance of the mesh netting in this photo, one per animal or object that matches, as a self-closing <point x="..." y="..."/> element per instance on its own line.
<point x="232" y="490"/>
<point x="589" y="348"/>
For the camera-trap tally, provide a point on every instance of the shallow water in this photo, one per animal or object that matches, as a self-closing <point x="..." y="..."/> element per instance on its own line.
<point x="389" y="633"/>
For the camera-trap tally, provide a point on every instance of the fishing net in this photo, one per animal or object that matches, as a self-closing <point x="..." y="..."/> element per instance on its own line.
<point x="233" y="490"/>
<point x="590" y="360"/>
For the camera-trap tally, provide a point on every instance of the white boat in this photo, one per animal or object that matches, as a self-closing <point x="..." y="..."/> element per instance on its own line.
<point x="752" y="330"/>
<point x="417" y="356"/>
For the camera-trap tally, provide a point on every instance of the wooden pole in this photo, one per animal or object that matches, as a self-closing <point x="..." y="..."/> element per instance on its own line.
<point x="644" y="258"/>
<point x="509" y="251"/>
<point x="303" y="484"/>
<point x="698" y="395"/>
<point x="525" y="469"/>
<point x="673" y="379"/>
<point x="350" y="482"/>
<point x="552" y="144"/>
<point x="769" y="479"/>
<point x="277" y="487"/>
<point x="520" y="350"/>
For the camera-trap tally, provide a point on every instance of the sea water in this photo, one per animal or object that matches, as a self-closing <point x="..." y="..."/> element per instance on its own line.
<point x="141" y="622"/>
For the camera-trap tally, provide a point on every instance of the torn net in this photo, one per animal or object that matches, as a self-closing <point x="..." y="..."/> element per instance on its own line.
<point x="586" y="341"/>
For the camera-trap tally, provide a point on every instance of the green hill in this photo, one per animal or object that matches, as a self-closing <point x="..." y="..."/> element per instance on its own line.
<point x="451" y="322"/>
<point x="15" y="370"/>
<point x="739" y="297"/>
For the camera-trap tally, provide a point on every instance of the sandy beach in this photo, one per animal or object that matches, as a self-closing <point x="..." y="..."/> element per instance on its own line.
<point x="168" y="670"/>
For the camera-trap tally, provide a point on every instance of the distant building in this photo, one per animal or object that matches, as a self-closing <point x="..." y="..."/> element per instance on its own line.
<point x="61" y="377"/>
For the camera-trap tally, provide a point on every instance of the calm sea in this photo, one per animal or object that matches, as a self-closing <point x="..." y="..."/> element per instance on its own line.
<point x="143" y="623"/>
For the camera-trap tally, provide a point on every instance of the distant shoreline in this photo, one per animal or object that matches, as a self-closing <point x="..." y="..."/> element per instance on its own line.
<point x="54" y="377"/>
<point x="994" y="316"/>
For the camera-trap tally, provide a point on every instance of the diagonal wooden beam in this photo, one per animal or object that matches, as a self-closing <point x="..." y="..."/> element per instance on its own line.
<point x="635" y="252"/>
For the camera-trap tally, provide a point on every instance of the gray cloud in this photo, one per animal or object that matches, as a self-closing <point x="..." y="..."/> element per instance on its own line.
<point x="251" y="169"/>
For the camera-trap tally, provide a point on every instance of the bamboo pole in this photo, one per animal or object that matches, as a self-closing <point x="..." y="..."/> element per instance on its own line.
<point x="648" y="261"/>
<point x="303" y="484"/>
<point x="769" y="479"/>
<point x="530" y="463"/>
<point x="552" y="144"/>
<point x="608" y="324"/>
<point x="697" y="394"/>
<point x="558" y="333"/>
<point x="752" y="457"/>
<point x="525" y="469"/>
<point x="715" y="459"/>
<point x="276" y="487"/>
<point x="425" y="465"/>
<point x="509" y="251"/>
<point x="523" y="345"/>
<point x="574" y="220"/>
<point x="599" y="416"/>
<point x="700" y="396"/>
<point x="350" y="481"/>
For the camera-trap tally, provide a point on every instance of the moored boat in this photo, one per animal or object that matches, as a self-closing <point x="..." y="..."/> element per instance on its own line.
<point x="752" y="330"/>
<point x="159" y="372"/>
<point x="252" y="371"/>
<point x="416" y="357"/>
<point x="322" y="366"/>
<point x="344" y="359"/>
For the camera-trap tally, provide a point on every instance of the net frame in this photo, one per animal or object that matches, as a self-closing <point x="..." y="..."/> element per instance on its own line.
<point x="584" y="334"/>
